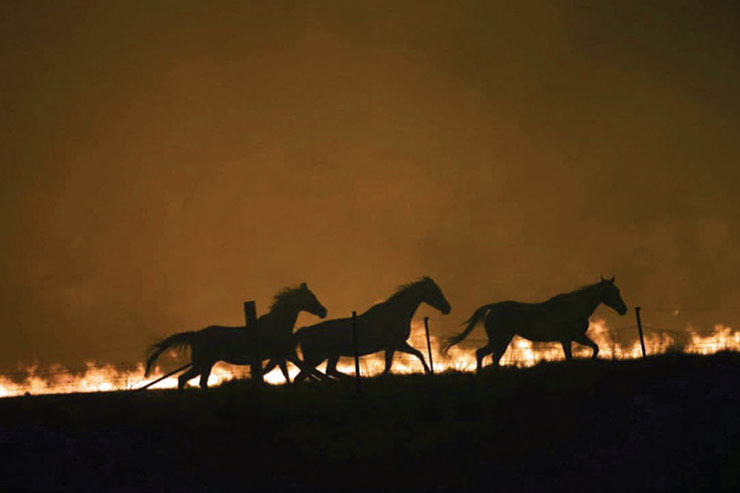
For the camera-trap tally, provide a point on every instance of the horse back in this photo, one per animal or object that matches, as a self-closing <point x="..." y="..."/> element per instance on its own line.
<point x="328" y="332"/>
<point x="333" y="337"/>
<point x="545" y="321"/>
<point x="227" y="331"/>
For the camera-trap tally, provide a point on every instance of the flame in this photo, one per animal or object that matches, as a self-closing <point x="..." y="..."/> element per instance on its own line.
<point x="521" y="353"/>
<point x="724" y="338"/>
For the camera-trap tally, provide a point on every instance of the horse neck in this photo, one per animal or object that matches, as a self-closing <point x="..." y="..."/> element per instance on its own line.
<point x="590" y="298"/>
<point x="284" y="316"/>
<point x="406" y="303"/>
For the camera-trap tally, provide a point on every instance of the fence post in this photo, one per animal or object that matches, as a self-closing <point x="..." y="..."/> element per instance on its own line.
<point x="429" y="344"/>
<point x="356" y="349"/>
<point x="639" y="329"/>
<point x="250" y="319"/>
<point x="250" y="312"/>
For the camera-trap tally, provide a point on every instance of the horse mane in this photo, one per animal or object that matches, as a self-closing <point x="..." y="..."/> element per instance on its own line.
<point x="575" y="292"/>
<point x="400" y="290"/>
<point x="283" y="295"/>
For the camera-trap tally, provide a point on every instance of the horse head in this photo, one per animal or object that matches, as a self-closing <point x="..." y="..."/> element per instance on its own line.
<point x="432" y="296"/>
<point x="308" y="302"/>
<point x="611" y="297"/>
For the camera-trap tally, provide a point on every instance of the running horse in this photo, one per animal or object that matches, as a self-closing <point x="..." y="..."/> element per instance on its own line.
<point x="383" y="327"/>
<point x="562" y="318"/>
<point x="271" y="336"/>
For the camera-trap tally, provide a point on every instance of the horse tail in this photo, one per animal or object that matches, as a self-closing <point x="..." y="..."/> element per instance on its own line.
<point x="181" y="339"/>
<point x="477" y="316"/>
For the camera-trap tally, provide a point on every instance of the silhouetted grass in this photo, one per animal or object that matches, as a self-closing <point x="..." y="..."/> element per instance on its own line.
<point x="663" y="423"/>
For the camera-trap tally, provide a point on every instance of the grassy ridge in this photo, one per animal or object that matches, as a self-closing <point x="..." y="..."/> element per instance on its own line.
<point x="662" y="423"/>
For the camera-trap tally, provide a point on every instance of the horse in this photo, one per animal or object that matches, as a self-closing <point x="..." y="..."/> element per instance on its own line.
<point x="271" y="336"/>
<point x="562" y="318"/>
<point x="383" y="327"/>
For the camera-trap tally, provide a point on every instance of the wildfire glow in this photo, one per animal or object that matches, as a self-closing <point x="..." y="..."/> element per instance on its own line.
<point x="520" y="353"/>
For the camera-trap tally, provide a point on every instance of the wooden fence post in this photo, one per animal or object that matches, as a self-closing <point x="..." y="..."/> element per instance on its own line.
<point x="250" y="319"/>
<point x="639" y="329"/>
<point x="250" y="312"/>
<point x="356" y="348"/>
<point x="429" y="344"/>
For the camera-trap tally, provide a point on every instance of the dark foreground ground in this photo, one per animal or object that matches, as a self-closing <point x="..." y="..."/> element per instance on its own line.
<point x="665" y="423"/>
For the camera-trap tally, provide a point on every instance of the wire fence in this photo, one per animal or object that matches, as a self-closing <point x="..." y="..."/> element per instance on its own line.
<point x="122" y="375"/>
<point x="416" y="340"/>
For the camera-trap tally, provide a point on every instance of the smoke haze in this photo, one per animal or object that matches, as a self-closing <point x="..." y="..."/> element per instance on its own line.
<point x="161" y="162"/>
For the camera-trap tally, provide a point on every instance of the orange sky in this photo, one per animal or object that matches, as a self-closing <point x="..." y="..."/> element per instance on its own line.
<point x="163" y="162"/>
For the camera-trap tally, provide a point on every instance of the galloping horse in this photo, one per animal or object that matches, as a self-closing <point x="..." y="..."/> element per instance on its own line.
<point x="270" y="337"/>
<point x="562" y="318"/>
<point x="383" y="327"/>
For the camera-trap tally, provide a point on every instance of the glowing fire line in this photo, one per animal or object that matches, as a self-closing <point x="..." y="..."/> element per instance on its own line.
<point x="520" y="353"/>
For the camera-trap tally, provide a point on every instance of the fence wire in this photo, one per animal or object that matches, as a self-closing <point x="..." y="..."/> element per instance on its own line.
<point x="127" y="375"/>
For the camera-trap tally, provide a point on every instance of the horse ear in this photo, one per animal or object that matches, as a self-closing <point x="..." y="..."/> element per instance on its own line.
<point x="612" y="279"/>
<point x="303" y="285"/>
<point x="602" y="278"/>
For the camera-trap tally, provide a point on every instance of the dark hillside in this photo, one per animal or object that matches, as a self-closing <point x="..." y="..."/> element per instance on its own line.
<point x="663" y="423"/>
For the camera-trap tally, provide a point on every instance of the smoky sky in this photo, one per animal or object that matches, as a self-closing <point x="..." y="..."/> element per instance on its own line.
<point x="161" y="162"/>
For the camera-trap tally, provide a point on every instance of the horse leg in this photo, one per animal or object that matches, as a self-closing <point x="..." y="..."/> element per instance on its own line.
<point x="183" y="379"/>
<point x="318" y="375"/>
<point x="388" y="360"/>
<point x="331" y="368"/>
<point x="588" y="342"/>
<point x="204" y="374"/>
<point x="498" y="342"/>
<point x="480" y="354"/>
<point x="256" y="371"/>
<point x="270" y="365"/>
<point x="405" y="348"/>
<point x="307" y="367"/>
<point x="284" y="370"/>
<point x="566" y="349"/>
<point x="302" y="375"/>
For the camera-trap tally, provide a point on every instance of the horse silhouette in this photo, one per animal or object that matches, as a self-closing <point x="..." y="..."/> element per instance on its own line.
<point x="562" y="318"/>
<point x="271" y="336"/>
<point x="383" y="327"/>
